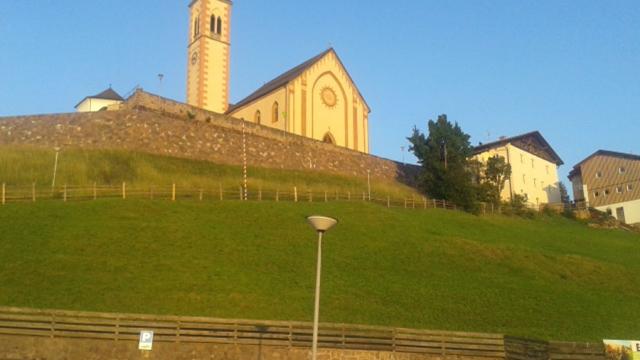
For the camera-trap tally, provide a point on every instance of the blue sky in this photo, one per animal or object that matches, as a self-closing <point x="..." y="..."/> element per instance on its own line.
<point x="570" y="69"/>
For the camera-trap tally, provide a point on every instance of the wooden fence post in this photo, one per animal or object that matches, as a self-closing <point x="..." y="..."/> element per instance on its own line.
<point x="310" y="196"/>
<point x="413" y="202"/>
<point x="425" y="202"/>
<point x="444" y="204"/>
<point x="221" y="194"/>
<point x="33" y="192"/>
<point x="201" y="194"/>
<point x="124" y="190"/>
<point x="295" y="193"/>
<point x="405" y="203"/>
<point x="173" y="192"/>
<point x="260" y="194"/>
<point x="277" y="195"/>
<point x="349" y="195"/>
<point x="326" y="198"/>
<point x="435" y="204"/>
<point x="64" y="195"/>
<point x="388" y="201"/>
<point x="4" y="193"/>
<point x="95" y="191"/>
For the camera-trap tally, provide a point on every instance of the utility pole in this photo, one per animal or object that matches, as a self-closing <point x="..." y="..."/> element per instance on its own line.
<point x="444" y="153"/>
<point x="55" y="168"/>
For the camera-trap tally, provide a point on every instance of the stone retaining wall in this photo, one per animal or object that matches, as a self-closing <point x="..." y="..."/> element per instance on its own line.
<point x="158" y="126"/>
<point x="38" y="348"/>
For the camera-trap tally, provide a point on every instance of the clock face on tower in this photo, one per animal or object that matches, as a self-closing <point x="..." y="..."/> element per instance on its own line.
<point x="194" y="58"/>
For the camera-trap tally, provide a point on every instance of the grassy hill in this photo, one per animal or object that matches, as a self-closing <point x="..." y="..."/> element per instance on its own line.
<point x="21" y="166"/>
<point x="547" y="278"/>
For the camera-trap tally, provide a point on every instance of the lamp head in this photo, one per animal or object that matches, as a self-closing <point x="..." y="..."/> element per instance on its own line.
<point x="321" y="223"/>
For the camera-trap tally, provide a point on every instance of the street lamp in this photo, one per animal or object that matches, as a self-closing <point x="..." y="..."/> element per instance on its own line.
<point x="320" y="224"/>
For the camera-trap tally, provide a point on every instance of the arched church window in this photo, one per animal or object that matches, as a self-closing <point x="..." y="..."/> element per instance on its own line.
<point x="328" y="138"/>
<point x="196" y="27"/>
<point x="212" y="24"/>
<point x="274" y="112"/>
<point x="219" y="32"/>
<point x="258" y="117"/>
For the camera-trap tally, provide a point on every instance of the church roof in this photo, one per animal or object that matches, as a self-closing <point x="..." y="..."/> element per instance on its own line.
<point x="108" y="94"/>
<point x="287" y="77"/>
<point x="532" y="142"/>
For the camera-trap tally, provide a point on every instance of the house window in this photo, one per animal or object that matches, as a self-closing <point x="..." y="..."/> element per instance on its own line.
<point x="606" y="192"/>
<point x="257" y="118"/>
<point x="596" y="193"/>
<point x="598" y="174"/>
<point x="619" y="189"/>
<point x="219" y="31"/>
<point x="629" y="187"/>
<point x="622" y="170"/>
<point x="609" y="212"/>
<point x="274" y="112"/>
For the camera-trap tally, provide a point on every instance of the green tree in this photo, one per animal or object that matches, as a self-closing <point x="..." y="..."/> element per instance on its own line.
<point x="564" y="194"/>
<point x="496" y="173"/>
<point x="443" y="156"/>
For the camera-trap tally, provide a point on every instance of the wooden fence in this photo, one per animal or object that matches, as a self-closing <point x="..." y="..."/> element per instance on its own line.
<point x="173" y="329"/>
<point x="126" y="327"/>
<point x="32" y="193"/>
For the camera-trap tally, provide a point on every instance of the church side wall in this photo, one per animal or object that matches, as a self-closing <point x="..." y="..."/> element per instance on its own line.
<point x="215" y="138"/>
<point x="265" y="106"/>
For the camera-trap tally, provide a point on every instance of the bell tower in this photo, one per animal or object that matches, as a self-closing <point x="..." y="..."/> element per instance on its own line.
<point x="209" y="54"/>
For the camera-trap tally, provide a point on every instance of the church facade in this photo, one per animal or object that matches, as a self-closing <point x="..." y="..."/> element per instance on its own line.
<point x="316" y="99"/>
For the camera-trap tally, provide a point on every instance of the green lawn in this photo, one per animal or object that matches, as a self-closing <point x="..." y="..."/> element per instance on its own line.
<point x="546" y="278"/>
<point x="22" y="166"/>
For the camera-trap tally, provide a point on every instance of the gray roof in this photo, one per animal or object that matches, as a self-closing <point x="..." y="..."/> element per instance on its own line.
<point x="108" y="94"/>
<point x="552" y="155"/>
<point x="285" y="78"/>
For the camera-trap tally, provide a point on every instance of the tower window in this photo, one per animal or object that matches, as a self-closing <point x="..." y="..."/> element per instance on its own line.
<point x="212" y="24"/>
<point x="258" y="117"/>
<point x="219" y="31"/>
<point x="274" y="112"/>
<point x="196" y="27"/>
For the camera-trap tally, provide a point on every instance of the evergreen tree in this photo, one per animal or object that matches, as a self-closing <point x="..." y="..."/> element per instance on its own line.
<point x="443" y="156"/>
<point x="564" y="194"/>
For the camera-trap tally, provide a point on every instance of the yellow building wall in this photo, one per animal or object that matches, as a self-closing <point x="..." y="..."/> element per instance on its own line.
<point x="209" y="56"/>
<point x="265" y="106"/>
<point x="304" y="112"/>
<point x="531" y="175"/>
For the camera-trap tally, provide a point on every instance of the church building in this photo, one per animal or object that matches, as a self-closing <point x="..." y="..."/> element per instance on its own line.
<point x="316" y="99"/>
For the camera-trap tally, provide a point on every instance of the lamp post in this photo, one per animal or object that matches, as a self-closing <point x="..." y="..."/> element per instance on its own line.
<point x="320" y="224"/>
